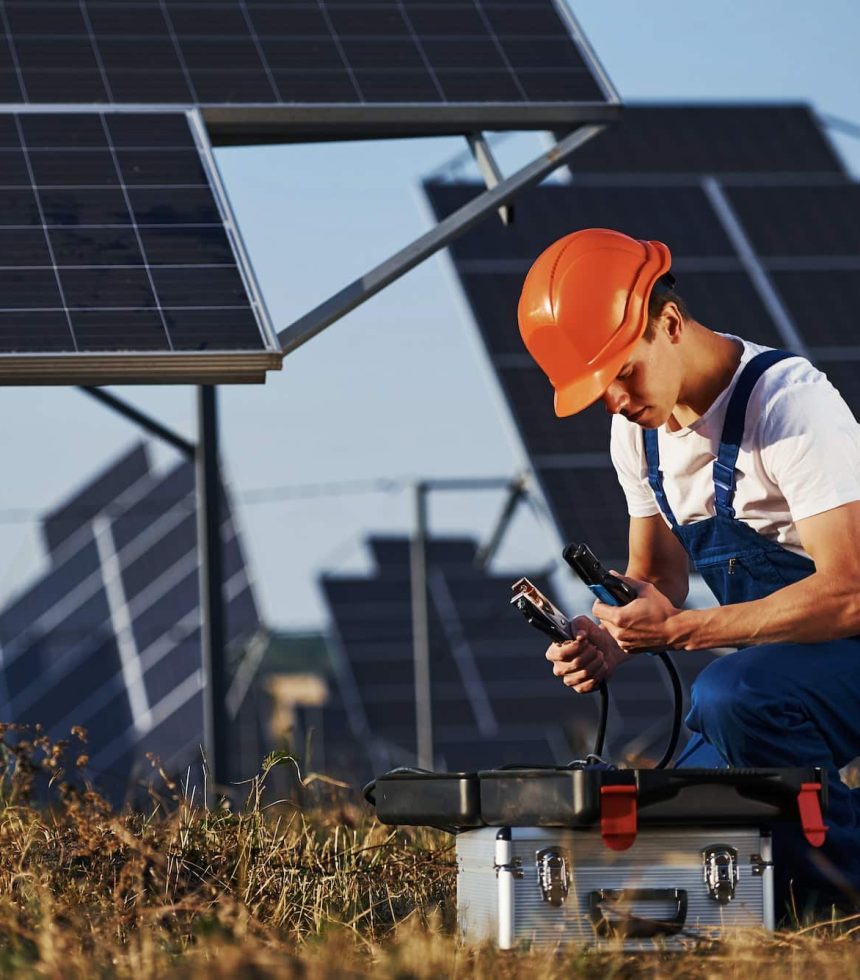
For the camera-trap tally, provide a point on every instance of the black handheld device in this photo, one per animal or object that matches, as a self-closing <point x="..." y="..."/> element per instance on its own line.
<point x="606" y="587"/>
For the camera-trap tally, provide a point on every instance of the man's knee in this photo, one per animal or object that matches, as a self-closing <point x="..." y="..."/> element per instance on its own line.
<point x="737" y="686"/>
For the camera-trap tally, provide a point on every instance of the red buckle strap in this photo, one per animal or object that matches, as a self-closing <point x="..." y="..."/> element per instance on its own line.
<point x="618" y="816"/>
<point x="809" y="804"/>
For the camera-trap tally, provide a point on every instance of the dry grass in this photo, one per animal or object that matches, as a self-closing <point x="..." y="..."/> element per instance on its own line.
<point x="319" y="890"/>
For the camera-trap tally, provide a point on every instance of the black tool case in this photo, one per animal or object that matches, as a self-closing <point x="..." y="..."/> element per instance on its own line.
<point x="562" y="797"/>
<point x="573" y="797"/>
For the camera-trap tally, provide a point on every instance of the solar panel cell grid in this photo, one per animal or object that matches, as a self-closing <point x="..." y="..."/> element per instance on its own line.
<point x="119" y="223"/>
<point x="800" y="221"/>
<point x="248" y="52"/>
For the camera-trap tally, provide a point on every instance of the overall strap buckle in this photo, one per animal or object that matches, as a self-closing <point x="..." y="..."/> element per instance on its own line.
<point x="724" y="488"/>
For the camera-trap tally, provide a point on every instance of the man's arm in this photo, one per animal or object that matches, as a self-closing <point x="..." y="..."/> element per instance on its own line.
<point x="824" y="606"/>
<point x="658" y="557"/>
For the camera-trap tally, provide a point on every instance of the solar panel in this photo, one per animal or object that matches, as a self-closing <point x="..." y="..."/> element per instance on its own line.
<point x="331" y="67"/>
<point x="118" y="257"/>
<point x="108" y="637"/>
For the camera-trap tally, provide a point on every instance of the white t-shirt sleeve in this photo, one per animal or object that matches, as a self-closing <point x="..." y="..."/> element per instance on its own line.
<point x="628" y="458"/>
<point x="811" y="448"/>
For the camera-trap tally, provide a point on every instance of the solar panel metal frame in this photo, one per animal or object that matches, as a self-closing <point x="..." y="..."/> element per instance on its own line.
<point x="131" y="367"/>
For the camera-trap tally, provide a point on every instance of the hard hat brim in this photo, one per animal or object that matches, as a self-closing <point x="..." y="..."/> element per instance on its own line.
<point x="587" y="389"/>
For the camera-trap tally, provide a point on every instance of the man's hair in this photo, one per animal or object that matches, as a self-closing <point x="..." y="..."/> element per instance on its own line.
<point x="663" y="293"/>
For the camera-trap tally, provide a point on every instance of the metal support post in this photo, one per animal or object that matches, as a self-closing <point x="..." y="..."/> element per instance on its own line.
<point x="421" y="633"/>
<point x="446" y="231"/>
<point x="211" y="588"/>
<point x="490" y="171"/>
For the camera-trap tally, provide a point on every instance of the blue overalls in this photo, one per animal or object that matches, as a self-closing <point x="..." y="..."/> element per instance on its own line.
<point x="782" y="704"/>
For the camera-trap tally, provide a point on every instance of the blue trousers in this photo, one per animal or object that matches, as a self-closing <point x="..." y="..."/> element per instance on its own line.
<point x="790" y="705"/>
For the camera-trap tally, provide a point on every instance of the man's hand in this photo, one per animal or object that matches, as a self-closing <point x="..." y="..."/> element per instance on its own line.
<point x="591" y="657"/>
<point x="641" y="625"/>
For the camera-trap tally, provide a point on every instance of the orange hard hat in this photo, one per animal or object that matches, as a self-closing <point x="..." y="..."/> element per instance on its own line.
<point x="584" y="306"/>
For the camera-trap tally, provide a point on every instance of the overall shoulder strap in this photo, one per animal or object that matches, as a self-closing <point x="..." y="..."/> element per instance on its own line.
<point x="733" y="428"/>
<point x="655" y="474"/>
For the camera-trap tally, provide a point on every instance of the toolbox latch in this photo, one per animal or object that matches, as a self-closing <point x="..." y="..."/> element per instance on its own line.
<point x="809" y="805"/>
<point x="618" y="816"/>
<point x="721" y="872"/>
<point x="553" y="875"/>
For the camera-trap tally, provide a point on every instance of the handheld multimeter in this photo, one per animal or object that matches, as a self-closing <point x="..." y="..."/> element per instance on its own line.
<point x="605" y="587"/>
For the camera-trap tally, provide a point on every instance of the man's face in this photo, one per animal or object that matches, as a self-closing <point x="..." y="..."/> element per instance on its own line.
<point x="646" y="389"/>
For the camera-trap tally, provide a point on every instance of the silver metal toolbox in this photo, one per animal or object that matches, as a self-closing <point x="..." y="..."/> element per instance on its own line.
<point x="548" y="886"/>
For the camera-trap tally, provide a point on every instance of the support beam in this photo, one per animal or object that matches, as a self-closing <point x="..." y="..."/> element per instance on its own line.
<point x="215" y="720"/>
<point x="421" y="632"/>
<point x="490" y="171"/>
<point x="446" y="231"/>
<point x="144" y="421"/>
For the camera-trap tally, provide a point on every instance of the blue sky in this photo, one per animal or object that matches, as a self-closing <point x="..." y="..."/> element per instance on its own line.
<point x="397" y="389"/>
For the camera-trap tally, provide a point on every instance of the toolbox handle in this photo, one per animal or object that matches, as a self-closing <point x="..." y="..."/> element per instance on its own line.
<point x="634" y="926"/>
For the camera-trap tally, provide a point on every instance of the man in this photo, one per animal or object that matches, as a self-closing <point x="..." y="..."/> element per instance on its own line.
<point x="745" y="463"/>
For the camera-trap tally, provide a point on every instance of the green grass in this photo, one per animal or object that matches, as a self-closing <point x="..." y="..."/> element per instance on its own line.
<point x="312" y="890"/>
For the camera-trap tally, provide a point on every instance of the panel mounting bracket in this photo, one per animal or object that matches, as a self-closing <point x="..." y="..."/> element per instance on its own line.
<point x="448" y="229"/>
<point x="490" y="171"/>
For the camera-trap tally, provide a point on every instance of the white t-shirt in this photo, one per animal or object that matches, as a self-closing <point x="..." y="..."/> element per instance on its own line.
<point x="800" y="454"/>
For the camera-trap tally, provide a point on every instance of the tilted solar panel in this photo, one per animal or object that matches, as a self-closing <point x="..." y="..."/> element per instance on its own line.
<point x="327" y="67"/>
<point x="109" y="637"/>
<point x="119" y="259"/>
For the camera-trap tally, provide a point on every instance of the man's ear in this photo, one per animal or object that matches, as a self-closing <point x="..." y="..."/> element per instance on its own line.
<point x="672" y="322"/>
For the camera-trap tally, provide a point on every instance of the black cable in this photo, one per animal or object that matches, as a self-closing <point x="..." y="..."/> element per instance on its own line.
<point x="600" y="738"/>
<point x="678" y="693"/>
<point x="677" y="710"/>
